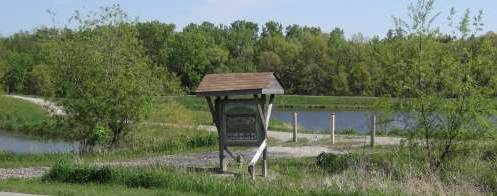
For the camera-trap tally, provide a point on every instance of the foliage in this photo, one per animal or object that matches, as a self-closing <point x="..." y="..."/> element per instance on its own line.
<point x="77" y="173"/>
<point x="106" y="77"/>
<point x="184" y="181"/>
<point x="306" y="59"/>
<point x="335" y="163"/>
<point x="448" y="99"/>
<point x="40" y="82"/>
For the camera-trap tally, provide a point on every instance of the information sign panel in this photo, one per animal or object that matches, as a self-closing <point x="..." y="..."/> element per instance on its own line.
<point x="240" y="123"/>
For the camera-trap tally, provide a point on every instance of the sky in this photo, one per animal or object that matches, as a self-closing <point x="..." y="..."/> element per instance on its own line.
<point x="369" y="17"/>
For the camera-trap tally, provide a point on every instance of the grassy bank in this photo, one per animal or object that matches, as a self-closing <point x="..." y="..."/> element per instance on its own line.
<point x="295" y="102"/>
<point x="146" y="141"/>
<point x="25" y="118"/>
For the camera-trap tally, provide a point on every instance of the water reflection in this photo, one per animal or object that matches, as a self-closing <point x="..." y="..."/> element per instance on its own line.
<point x="24" y="145"/>
<point x="344" y="120"/>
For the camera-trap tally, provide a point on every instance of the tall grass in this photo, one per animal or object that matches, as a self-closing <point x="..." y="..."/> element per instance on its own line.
<point x="464" y="173"/>
<point x="179" y="180"/>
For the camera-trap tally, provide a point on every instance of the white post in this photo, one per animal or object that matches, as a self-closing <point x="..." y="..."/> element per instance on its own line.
<point x="373" y="129"/>
<point x="332" y="127"/>
<point x="295" y="126"/>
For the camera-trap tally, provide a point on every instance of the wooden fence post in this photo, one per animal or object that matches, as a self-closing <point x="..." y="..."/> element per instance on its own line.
<point x="332" y="127"/>
<point x="295" y="124"/>
<point x="373" y="129"/>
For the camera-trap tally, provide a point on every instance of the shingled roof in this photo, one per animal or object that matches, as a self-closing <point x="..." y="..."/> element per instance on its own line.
<point x="239" y="84"/>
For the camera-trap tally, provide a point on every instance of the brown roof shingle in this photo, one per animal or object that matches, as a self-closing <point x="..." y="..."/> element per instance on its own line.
<point x="239" y="84"/>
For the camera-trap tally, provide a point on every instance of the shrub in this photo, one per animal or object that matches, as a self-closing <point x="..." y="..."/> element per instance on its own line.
<point x="488" y="180"/>
<point x="77" y="173"/>
<point x="141" y="179"/>
<point x="201" y="141"/>
<point x="490" y="154"/>
<point x="336" y="163"/>
<point x="397" y="132"/>
<point x="348" y="132"/>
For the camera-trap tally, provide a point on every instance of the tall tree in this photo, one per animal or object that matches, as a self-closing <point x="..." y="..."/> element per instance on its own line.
<point x="109" y="81"/>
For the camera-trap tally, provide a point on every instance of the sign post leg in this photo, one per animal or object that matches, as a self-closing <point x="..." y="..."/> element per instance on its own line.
<point x="264" y="162"/>
<point x="215" y="117"/>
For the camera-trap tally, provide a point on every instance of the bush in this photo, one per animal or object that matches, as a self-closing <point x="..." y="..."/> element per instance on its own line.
<point x="397" y="132"/>
<point x="141" y="179"/>
<point x="336" y="163"/>
<point x="201" y="141"/>
<point x="77" y="173"/>
<point x="488" y="180"/>
<point x="490" y="153"/>
<point x="348" y="132"/>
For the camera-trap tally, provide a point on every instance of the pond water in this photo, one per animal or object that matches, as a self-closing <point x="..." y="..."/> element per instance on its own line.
<point x="318" y="121"/>
<point x="24" y="145"/>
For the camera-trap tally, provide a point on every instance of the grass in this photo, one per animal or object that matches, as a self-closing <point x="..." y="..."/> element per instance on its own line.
<point x="290" y="176"/>
<point x="35" y="186"/>
<point x="25" y="118"/>
<point x="294" y="101"/>
<point x="378" y="171"/>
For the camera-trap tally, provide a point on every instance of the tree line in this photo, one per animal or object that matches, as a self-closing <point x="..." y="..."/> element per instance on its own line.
<point x="306" y="59"/>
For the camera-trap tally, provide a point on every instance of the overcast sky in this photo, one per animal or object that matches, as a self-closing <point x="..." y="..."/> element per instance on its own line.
<point x="372" y="17"/>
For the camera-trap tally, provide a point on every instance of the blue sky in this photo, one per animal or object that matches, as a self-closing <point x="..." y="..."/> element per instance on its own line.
<point x="372" y="17"/>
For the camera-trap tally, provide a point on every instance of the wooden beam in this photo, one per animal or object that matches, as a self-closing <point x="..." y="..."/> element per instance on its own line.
<point x="251" y="166"/>
<point x="232" y="155"/>
<point x="268" y="117"/>
<point x="269" y="109"/>
<point x="261" y="112"/>
<point x="373" y="129"/>
<point x="222" y="166"/>
<point x="213" y="112"/>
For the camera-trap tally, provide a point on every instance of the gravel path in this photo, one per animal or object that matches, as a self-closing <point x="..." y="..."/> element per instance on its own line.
<point x="212" y="158"/>
<point x="28" y="172"/>
<point x="207" y="159"/>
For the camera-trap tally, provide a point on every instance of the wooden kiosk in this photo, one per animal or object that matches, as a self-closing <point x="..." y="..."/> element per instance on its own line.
<point x="241" y="121"/>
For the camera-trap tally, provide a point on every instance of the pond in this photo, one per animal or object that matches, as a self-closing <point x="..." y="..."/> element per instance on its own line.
<point x="25" y="145"/>
<point x="318" y="121"/>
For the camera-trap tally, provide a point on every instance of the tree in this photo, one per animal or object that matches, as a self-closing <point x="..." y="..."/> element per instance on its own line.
<point x="155" y="37"/>
<point x="18" y="66"/>
<point x="40" y="82"/>
<point x="359" y="80"/>
<point x="447" y="99"/>
<point x="107" y="77"/>
<point x="189" y="57"/>
<point x="241" y="40"/>
<point x="272" y="29"/>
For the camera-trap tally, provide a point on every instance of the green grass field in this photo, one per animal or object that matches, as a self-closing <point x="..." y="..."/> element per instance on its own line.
<point x="296" y="102"/>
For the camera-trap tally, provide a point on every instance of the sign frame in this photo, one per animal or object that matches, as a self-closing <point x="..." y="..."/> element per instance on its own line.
<point x="240" y="108"/>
